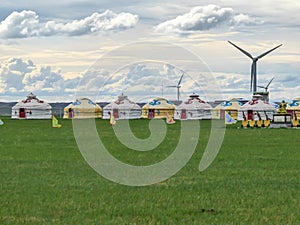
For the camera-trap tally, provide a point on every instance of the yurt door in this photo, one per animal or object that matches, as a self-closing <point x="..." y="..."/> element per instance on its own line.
<point x="22" y="113"/>
<point x="151" y="113"/>
<point x="71" y="113"/>
<point x="222" y="114"/>
<point x="183" y="114"/>
<point x="250" y="115"/>
<point x="116" y="113"/>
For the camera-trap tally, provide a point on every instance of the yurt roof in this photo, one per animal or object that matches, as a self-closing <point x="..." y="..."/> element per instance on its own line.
<point x="82" y="103"/>
<point x="257" y="105"/>
<point x="122" y="103"/>
<point x="194" y="102"/>
<point x="233" y="104"/>
<point x="32" y="102"/>
<point x="294" y="104"/>
<point x="159" y="103"/>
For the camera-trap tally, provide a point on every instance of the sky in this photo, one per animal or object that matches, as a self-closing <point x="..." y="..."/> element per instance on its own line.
<point x="61" y="50"/>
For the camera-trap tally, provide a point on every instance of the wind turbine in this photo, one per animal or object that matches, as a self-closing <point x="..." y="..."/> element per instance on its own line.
<point x="178" y="86"/>
<point x="253" y="84"/>
<point x="266" y="87"/>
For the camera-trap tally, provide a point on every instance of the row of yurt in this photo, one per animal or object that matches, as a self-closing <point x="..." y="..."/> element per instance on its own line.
<point x="123" y="108"/>
<point x="31" y="108"/>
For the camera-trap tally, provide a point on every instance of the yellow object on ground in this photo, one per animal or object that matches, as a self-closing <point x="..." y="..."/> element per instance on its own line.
<point x="259" y="123"/>
<point x="55" y="123"/>
<point x="267" y="122"/>
<point x="295" y="123"/>
<point x="244" y="123"/>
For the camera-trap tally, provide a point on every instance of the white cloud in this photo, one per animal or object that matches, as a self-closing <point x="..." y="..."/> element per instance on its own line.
<point x="27" y="24"/>
<point x="17" y="75"/>
<point x="203" y="18"/>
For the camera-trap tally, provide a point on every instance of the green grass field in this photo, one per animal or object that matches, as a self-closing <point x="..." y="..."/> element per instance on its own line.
<point x="255" y="179"/>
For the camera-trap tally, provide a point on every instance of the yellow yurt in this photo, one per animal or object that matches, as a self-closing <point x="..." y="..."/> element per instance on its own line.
<point x="293" y="108"/>
<point x="82" y="108"/>
<point x="158" y="108"/>
<point x="231" y="107"/>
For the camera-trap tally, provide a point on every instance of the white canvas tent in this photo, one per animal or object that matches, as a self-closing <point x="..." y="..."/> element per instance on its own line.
<point x="193" y="108"/>
<point x="31" y="108"/>
<point x="82" y="108"/>
<point x="122" y="108"/>
<point x="255" y="108"/>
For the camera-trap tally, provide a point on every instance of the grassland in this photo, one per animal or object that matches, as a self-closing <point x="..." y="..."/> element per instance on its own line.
<point x="255" y="179"/>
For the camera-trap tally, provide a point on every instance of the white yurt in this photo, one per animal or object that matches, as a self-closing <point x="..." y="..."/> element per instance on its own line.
<point x="193" y="108"/>
<point x="256" y="108"/>
<point x="82" y="108"/>
<point x="31" y="108"/>
<point x="122" y="108"/>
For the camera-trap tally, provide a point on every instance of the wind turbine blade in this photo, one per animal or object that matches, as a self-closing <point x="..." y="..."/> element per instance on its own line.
<point x="261" y="86"/>
<point x="242" y="50"/>
<point x="269" y="83"/>
<point x="180" y="80"/>
<point x="172" y="86"/>
<point x="262" y="55"/>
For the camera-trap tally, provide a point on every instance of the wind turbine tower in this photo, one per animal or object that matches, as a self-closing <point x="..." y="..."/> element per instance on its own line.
<point x="253" y="84"/>
<point x="178" y="86"/>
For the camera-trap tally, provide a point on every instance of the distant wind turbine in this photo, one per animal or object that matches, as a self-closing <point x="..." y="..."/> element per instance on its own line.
<point x="253" y="85"/>
<point x="266" y="87"/>
<point x="178" y="86"/>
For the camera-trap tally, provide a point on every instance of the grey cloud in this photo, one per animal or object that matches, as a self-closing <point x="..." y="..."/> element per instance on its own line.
<point x="27" y="24"/>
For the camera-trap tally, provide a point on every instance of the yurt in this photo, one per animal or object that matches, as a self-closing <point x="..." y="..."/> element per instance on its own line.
<point x="82" y="108"/>
<point x="158" y="108"/>
<point x="231" y="107"/>
<point x="31" y="108"/>
<point x="123" y="108"/>
<point x="256" y="108"/>
<point x="293" y="108"/>
<point x="193" y="108"/>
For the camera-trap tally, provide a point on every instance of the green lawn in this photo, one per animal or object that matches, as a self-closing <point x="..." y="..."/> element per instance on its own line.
<point x="255" y="179"/>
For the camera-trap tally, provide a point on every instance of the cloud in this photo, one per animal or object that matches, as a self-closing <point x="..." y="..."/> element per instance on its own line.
<point x="19" y="76"/>
<point x="27" y="24"/>
<point x="204" y="18"/>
